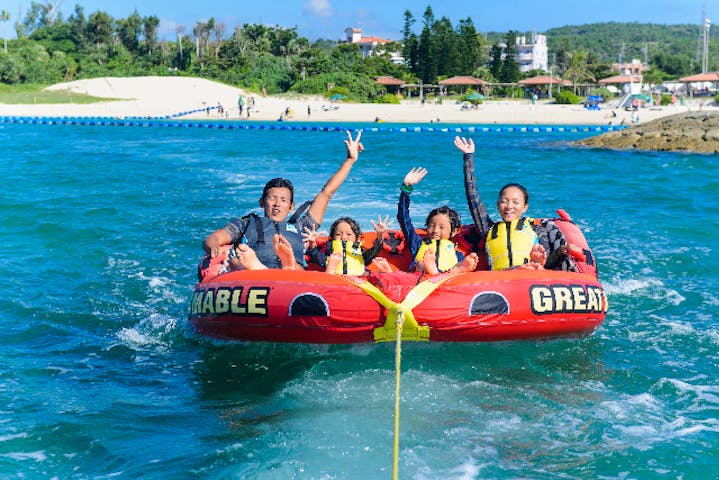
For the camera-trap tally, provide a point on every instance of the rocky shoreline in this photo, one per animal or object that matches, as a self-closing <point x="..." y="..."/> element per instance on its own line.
<point x="688" y="132"/>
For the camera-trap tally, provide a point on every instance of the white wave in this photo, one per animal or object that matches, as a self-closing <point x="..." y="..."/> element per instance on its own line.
<point x="162" y="288"/>
<point x="713" y="336"/>
<point x="649" y="287"/>
<point x="5" y="438"/>
<point x="627" y="287"/>
<point x="681" y="328"/>
<point x="467" y="470"/>
<point x="38" y="456"/>
<point x="152" y="331"/>
<point x="701" y="392"/>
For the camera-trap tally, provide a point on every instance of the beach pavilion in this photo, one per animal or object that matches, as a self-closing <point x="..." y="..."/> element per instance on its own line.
<point x="624" y="80"/>
<point x="708" y="78"/>
<point x="390" y="82"/>
<point x="544" y="80"/>
<point x="462" y="81"/>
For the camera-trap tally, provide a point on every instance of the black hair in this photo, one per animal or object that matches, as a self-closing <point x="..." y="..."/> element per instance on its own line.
<point x="349" y="221"/>
<point x="279" y="183"/>
<point x="515" y="185"/>
<point x="454" y="219"/>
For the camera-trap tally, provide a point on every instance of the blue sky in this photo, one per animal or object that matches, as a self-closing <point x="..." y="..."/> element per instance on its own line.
<point x="316" y="19"/>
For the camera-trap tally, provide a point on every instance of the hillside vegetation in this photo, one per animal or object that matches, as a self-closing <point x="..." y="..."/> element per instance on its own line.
<point x="51" y="49"/>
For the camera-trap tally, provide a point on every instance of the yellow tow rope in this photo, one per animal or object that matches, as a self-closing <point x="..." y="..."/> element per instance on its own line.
<point x="397" y="363"/>
<point x="400" y="321"/>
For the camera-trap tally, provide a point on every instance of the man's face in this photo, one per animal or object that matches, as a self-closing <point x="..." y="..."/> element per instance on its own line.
<point x="277" y="203"/>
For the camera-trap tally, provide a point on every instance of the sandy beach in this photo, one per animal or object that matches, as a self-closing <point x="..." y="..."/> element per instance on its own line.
<point x="161" y="96"/>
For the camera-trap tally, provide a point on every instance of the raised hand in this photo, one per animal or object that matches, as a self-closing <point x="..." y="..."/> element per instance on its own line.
<point x="414" y="176"/>
<point x="464" y="145"/>
<point x="354" y="146"/>
<point x="310" y="236"/>
<point x="382" y="225"/>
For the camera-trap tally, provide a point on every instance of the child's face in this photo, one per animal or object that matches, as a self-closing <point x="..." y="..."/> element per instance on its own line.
<point x="511" y="204"/>
<point x="344" y="232"/>
<point x="439" y="227"/>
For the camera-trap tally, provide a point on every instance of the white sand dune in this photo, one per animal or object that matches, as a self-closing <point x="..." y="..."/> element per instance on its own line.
<point x="160" y="96"/>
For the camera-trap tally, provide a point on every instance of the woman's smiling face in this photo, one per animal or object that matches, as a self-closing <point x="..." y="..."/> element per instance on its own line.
<point x="511" y="203"/>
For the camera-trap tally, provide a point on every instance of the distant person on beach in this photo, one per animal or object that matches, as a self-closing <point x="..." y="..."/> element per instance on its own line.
<point x="436" y="253"/>
<point x="309" y="111"/>
<point x="273" y="241"/>
<point x="344" y="253"/>
<point x="513" y="242"/>
<point x="240" y="104"/>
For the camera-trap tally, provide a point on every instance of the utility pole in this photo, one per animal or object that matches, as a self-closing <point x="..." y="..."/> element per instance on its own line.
<point x="705" y="51"/>
<point x="700" y="37"/>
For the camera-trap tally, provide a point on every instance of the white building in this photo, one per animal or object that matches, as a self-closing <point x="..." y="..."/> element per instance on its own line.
<point x="371" y="45"/>
<point x="532" y="55"/>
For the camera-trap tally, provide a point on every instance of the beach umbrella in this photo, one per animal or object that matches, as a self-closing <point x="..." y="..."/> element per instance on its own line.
<point x="474" y="96"/>
<point x="642" y="96"/>
<point x="337" y="96"/>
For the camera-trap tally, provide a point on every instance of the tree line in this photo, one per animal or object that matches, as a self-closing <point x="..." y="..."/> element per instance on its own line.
<point x="50" y="49"/>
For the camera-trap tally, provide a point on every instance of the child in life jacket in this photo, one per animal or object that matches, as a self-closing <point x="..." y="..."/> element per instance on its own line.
<point x="345" y="254"/>
<point x="436" y="253"/>
<point x="511" y="243"/>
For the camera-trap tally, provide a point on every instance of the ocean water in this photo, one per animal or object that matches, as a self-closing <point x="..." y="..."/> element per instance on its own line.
<point x="102" y="377"/>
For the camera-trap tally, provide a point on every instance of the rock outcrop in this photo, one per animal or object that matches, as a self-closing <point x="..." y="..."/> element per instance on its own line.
<point x="689" y="132"/>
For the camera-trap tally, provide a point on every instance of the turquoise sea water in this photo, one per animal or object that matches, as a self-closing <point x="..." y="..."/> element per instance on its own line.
<point x="101" y="376"/>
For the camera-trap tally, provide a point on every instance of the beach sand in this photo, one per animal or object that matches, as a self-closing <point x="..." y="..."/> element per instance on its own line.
<point x="161" y="96"/>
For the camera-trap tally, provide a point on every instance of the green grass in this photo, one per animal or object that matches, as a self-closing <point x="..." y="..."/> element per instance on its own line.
<point x="30" y="94"/>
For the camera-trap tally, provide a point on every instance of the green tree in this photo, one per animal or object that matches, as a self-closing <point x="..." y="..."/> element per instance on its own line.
<point x="445" y="48"/>
<point x="426" y="59"/>
<point x="79" y="28"/>
<point x="56" y="37"/>
<point x="495" y="66"/>
<point x="410" y="48"/>
<point x="99" y="29"/>
<point x="149" y="31"/>
<point x="672" y="65"/>
<point x="129" y="30"/>
<point x="578" y="70"/>
<point x="510" y="68"/>
<point x="4" y="18"/>
<point x="469" y="47"/>
<point x="10" y="69"/>
<point x="40" y="15"/>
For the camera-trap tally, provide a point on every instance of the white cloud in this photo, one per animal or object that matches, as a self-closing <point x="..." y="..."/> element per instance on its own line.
<point x="318" y="8"/>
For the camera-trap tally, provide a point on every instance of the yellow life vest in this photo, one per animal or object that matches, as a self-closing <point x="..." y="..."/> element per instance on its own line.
<point x="444" y="250"/>
<point x="510" y="250"/>
<point x="352" y="259"/>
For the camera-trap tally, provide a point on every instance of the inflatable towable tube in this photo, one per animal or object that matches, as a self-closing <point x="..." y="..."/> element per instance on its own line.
<point x="315" y="307"/>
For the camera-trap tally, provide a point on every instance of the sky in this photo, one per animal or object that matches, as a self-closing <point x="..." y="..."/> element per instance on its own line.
<point x="318" y="19"/>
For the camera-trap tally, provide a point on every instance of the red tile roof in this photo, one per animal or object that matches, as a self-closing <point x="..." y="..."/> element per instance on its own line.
<point x="701" y="77"/>
<point x="462" y="80"/>
<point x="372" y="40"/>
<point x="544" y="80"/>
<point x="622" y="79"/>
<point x="389" y="81"/>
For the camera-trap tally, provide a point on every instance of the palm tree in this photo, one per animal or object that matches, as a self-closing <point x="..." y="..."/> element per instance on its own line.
<point x="180" y="32"/>
<point x="577" y="68"/>
<point x="4" y="17"/>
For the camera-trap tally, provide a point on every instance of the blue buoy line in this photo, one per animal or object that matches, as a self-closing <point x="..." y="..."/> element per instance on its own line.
<point x="168" y="122"/>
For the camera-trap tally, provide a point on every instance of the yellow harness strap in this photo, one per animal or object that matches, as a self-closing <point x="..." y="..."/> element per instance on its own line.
<point x="410" y="329"/>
